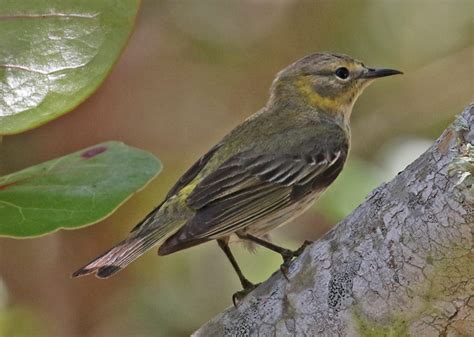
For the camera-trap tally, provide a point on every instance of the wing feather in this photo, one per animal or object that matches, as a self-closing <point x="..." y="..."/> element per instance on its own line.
<point x="246" y="189"/>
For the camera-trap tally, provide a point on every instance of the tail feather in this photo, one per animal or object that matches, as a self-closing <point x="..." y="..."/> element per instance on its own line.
<point x="121" y="255"/>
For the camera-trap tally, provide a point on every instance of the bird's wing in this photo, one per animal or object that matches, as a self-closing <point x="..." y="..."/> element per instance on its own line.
<point x="248" y="187"/>
<point x="193" y="171"/>
<point x="185" y="179"/>
<point x="247" y="175"/>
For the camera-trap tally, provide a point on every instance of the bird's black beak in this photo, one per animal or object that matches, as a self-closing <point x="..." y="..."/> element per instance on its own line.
<point x="376" y="73"/>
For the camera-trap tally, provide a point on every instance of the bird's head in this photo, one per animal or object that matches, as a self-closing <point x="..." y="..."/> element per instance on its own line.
<point x="328" y="82"/>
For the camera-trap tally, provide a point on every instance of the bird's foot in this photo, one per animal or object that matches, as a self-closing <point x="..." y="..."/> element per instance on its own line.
<point x="240" y="295"/>
<point x="289" y="255"/>
<point x="300" y="250"/>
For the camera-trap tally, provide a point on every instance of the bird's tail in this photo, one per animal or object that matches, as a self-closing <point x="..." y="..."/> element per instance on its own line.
<point x="125" y="252"/>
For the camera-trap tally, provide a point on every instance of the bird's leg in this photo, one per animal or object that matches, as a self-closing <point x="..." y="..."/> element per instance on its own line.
<point x="246" y="284"/>
<point x="286" y="254"/>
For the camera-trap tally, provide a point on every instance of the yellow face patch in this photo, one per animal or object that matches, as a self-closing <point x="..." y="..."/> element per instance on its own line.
<point x="336" y="102"/>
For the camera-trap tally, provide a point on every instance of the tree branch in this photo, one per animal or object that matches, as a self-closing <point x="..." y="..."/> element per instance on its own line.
<point x="401" y="264"/>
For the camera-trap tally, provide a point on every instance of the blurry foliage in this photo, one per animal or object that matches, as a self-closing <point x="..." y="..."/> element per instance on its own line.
<point x="18" y="322"/>
<point x="54" y="54"/>
<point x="191" y="72"/>
<point x="350" y="189"/>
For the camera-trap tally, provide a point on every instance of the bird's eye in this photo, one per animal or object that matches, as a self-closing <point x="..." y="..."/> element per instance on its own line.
<point x="342" y="73"/>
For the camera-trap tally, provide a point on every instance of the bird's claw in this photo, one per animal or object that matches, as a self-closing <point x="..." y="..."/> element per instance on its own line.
<point x="240" y="295"/>
<point x="300" y="250"/>
<point x="288" y="257"/>
<point x="284" y="269"/>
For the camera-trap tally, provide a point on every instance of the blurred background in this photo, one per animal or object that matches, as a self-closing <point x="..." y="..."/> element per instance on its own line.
<point x="191" y="72"/>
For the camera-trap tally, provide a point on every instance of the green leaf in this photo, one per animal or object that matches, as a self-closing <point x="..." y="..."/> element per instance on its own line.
<point x="55" y="53"/>
<point x="73" y="191"/>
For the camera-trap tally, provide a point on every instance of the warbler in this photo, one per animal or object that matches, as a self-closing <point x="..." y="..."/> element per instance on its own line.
<point x="262" y="174"/>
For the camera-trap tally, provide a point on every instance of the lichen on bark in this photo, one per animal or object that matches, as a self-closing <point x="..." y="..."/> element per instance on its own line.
<point x="401" y="264"/>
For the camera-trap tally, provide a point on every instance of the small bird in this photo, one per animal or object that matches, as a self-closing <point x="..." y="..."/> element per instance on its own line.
<point x="262" y="174"/>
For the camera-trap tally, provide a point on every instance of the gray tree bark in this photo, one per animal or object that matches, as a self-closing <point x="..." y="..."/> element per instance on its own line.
<point x="401" y="264"/>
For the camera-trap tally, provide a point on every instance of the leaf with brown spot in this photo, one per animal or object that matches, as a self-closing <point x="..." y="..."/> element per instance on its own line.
<point x="73" y="191"/>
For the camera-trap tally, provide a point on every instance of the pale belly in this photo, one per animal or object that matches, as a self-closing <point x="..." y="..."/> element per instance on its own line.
<point x="279" y="218"/>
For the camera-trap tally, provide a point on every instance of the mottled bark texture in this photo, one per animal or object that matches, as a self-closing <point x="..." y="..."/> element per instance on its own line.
<point x="402" y="264"/>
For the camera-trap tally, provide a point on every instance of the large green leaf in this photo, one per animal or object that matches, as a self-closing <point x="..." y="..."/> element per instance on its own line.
<point x="72" y="191"/>
<point x="55" y="53"/>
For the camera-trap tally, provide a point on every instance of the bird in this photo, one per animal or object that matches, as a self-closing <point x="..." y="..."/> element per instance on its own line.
<point x="262" y="174"/>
